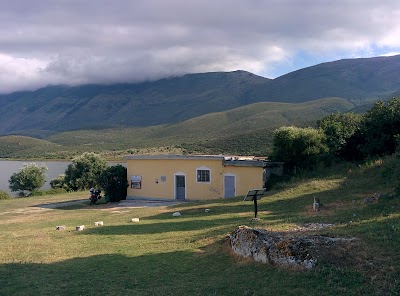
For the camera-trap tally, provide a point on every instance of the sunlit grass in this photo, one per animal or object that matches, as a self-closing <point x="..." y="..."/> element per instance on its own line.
<point x="189" y="255"/>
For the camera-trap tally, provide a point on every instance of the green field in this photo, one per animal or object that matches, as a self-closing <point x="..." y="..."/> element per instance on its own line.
<point x="189" y="255"/>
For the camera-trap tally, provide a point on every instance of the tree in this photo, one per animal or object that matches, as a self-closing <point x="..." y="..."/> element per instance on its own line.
<point x="380" y="127"/>
<point x="83" y="171"/>
<point x="338" y="129"/>
<point x="113" y="180"/>
<point x="298" y="147"/>
<point x="29" y="178"/>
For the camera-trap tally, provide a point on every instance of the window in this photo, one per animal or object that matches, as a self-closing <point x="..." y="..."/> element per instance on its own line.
<point x="203" y="176"/>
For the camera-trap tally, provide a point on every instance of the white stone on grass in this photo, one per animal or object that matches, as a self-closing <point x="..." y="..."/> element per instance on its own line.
<point x="176" y="214"/>
<point x="207" y="210"/>
<point x="61" y="227"/>
<point x="98" y="223"/>
<point x="136" y="220"/>
<point x="80" y="227"/>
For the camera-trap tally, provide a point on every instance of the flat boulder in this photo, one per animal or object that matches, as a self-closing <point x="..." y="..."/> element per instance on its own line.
<point x="286" y="249"/>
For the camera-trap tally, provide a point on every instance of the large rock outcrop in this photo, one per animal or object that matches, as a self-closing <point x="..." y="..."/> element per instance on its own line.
<point x="288" y="249"/>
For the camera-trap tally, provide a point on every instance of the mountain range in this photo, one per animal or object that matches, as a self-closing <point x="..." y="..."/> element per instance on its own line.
<point x="54" y="109"/>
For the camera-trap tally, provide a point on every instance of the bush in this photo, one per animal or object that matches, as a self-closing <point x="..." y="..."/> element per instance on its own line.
<point x="298" y="147"/>
<point x="338" y="129"/>
<point x="48" y="192"/>
<point x="114" y="182"/>
<point x="4" y="195"/>
<point x="275" y="179"/>
<point x="59" y="183"/>
<point x="380" y="128"/>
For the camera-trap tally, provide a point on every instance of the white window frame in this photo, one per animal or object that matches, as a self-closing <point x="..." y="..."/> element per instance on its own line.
<point x="203" y="168"/>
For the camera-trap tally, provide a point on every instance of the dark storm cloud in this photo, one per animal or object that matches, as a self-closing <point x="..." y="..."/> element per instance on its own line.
<point x="49" y="42"/>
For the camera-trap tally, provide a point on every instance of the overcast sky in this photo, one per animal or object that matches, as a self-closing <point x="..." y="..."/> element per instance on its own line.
<point x="74" y="42"/>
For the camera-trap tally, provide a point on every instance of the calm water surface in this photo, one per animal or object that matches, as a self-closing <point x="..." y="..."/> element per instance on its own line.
<point x="55" y="168"/>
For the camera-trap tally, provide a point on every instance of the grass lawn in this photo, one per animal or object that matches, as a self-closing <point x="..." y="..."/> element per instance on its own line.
<point x="189" y="255"/>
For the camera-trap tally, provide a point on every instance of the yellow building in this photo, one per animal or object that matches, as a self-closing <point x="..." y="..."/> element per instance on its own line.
<point x="192" y="177"/>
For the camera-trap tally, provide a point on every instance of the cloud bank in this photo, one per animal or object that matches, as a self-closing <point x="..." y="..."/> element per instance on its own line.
<point x="97" y="41"/>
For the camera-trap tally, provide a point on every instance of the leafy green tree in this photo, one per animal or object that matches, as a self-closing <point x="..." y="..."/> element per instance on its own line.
<point x="29" y="178"/>
<point x="380" y="127"/>
<point x="83" y="171"/>
<point x="298" y="147"/>
<point x="113" y="180"/>
<point x="338" y="129"/>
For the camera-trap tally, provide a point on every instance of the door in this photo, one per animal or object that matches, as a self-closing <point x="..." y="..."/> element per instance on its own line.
<point x="229" y="186"/>
<point x="180" y="192"/>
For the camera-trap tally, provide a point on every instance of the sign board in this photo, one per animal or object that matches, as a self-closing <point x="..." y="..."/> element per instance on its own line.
<point x="136" y="178"/>
<point x="254" y="194"/>
<point x="136" y="182"/>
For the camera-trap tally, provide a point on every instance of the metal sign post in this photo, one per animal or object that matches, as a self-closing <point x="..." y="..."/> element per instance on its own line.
<point x="254" y="195"/>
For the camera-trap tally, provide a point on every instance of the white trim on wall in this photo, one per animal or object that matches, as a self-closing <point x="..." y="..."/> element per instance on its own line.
<point x="180" y="174"/>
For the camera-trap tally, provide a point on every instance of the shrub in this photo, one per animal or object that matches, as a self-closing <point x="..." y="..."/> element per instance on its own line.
<point x="298" y="147"/>
<point x="380" y="128"/>
<point x="338" y="129"/>
<point x="114" y="182"/>
<point x="47" y="192"/>
<point x="4" y="195"/>
<point x="59" y="182"/>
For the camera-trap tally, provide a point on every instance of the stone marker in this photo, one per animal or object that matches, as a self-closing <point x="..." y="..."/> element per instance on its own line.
<point x="207" y="210"/>
<point x="80" y="227"/>
<point x="176" y="214"/>
<point x="61" y="227"/>
<point x="316" y="204"/>
<point x="135" y="220"/>
<point x="98" y="223"/>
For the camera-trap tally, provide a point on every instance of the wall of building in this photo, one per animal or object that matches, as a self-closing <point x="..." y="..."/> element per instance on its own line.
<point x="158" y="178"/>
<point x="247" y="178"/>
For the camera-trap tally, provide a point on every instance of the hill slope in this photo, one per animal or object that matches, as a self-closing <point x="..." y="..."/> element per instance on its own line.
<point x="171" y="100"/>
<point x="244" y="130"/>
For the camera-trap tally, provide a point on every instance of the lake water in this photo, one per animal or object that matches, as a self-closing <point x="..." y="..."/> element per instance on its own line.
<point x="55" y="168"/>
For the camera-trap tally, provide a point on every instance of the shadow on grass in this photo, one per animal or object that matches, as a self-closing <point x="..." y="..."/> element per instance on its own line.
<point x="64" y="205"/>
<point x="172" y="273"/>
<point x="223" y="225"/>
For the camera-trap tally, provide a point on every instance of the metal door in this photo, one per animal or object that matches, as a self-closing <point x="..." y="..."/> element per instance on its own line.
<point x="180" y="192"/>
<point x="229" y="186"/>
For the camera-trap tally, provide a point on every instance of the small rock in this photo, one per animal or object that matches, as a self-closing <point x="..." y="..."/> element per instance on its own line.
<point x="135" y="220"/>
<point x="207" y="210"/>
<point x="80" y="227"/>
<point x="176" y="214"/>
<point x="98" y="223"/>
<point x="61" y="227"/>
